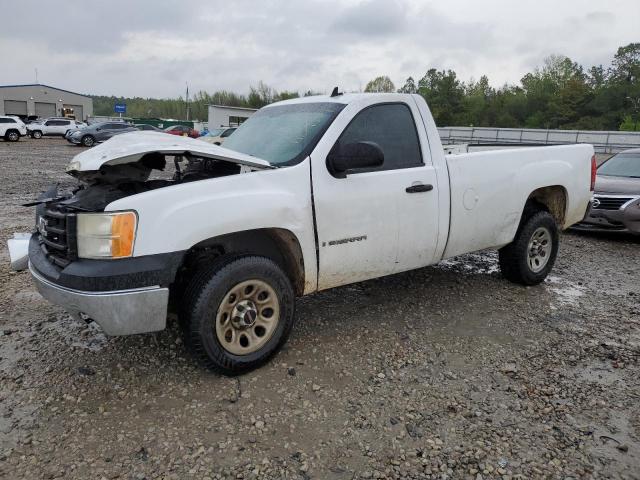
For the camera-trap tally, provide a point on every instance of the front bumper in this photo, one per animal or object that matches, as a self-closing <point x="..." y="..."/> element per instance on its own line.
<point x="626" y="219"/>
<point x="119" y="312"/>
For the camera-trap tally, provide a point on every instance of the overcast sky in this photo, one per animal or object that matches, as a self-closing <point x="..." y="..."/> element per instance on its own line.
<point x="150" y="48"/>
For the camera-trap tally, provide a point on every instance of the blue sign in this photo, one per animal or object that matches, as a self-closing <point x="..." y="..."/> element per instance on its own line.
<point x="120" y="108"/>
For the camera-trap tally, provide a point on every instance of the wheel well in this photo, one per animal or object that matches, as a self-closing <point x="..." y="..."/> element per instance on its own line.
<point x="278" y="244"/>
<point x="552" y="199"/>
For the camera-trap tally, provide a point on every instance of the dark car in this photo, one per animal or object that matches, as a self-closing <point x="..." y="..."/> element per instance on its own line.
<point x="99" y="132"/>
<point x="147" y="128"/>
<point x="615" y="205"/>
<point x="182" y="130"/>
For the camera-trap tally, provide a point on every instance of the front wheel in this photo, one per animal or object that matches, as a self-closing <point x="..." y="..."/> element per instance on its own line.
<point x="36" y="134"/>
<point x="12" y="136"/>
<point x="88" y="141"/>
<point x="238" y="312"/>
<point x="530" y="257"/>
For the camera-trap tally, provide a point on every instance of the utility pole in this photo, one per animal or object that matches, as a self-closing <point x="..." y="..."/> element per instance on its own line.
<point x="187" y="100"/>
<point x="36" y="75"/>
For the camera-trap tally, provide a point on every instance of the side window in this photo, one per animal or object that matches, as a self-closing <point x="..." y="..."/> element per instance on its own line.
<point x="228" y="132"/>
<point x="49" y="123"/>
<point x="392" y="127"/>
<point x="65" y="122"/>
<point x="4" y="120"/>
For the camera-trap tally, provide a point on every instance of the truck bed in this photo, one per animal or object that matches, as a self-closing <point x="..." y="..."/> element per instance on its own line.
<point x="489" y="190"/>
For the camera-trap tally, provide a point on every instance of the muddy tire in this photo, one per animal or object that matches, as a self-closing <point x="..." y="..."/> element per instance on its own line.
<point x="36" y="134"/>
<point x="237" y="313"/>
<point x="12" y="136"/>
<point x="530" y="257"/>
<point x="88" y="141"/>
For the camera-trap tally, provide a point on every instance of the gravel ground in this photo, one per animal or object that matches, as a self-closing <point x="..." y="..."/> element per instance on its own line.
<point x="443" y="372"/>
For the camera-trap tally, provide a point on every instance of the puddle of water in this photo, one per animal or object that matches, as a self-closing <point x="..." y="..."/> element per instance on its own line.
<point x="473" y="263"/>
<point x="567" y="293"/>
<point x="601" y="373"/>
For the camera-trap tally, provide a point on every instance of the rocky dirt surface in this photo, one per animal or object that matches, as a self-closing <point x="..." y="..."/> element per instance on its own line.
<point x="444" y="372"/>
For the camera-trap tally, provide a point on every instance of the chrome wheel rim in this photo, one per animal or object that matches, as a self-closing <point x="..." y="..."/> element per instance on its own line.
<point x="539" y="250"/>
<point x="247" y="317"/>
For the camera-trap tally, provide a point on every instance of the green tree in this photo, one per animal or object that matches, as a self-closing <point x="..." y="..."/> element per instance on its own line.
<point x="558" y="94"/>
<point x="409" y="86"/>
<point x="382" y="84"/>
<point x="630" y="125"/>
<point x="444" y="93"/>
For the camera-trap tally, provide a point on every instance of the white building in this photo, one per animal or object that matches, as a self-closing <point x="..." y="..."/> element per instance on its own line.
<point x="221" y="116"/>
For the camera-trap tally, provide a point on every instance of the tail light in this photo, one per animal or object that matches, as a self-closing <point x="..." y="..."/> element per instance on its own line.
<point x="593" y="173"/>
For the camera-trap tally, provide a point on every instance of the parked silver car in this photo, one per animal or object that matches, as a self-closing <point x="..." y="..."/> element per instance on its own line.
<point x="99" y="132"/>
<point x="615" y="206"/>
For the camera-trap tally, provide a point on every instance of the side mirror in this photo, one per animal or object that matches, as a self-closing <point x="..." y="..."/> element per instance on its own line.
<point x="98" y="129"/>
<point x="354" y="156"/>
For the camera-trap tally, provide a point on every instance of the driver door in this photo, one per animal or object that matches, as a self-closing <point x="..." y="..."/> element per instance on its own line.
<point x="358" y="217"/>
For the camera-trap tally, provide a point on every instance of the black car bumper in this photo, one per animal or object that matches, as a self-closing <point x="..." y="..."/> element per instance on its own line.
<point x="105" y="275"/>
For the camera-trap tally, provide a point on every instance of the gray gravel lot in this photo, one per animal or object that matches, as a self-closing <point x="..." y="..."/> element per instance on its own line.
<point x="443" y="372"/>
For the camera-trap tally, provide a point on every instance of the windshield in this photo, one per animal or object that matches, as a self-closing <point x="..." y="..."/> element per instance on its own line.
<point x="283" y="134"/>
<point x="215" y="133"/>
<point x="622" y="165"/>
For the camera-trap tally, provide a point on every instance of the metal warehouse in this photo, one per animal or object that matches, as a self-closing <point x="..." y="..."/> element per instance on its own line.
<point x="43" y="101"/>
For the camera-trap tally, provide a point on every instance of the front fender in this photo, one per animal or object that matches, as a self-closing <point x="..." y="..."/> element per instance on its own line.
<point x="178" y="217"/>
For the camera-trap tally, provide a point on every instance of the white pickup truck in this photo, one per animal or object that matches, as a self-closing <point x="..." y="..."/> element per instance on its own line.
<point x="308" y="194"/>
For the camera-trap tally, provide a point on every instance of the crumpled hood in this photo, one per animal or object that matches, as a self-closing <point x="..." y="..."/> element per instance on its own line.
<point x="130" y="147"/>
<point x="617" y="185"/>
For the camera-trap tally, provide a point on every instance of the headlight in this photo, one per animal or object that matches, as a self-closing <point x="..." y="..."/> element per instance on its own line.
<point x="106" y="235"/>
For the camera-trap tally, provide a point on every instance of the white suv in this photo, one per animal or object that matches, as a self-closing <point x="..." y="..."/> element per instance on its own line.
<point x="12" y="128"/>
<point x="52" y="126"/>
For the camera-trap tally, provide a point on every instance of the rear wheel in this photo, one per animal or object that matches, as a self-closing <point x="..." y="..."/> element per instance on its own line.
<point x="88" y="141"/>
<point x="238" y="312"/>
<point x="36" y="134"/>
<point x="530" y="257"/>
<point x="12" y="136"/>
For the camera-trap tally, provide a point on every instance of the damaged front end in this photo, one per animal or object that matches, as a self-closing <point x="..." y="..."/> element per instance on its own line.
<point x="80" y="254"/>
<point x="126" y="165"/>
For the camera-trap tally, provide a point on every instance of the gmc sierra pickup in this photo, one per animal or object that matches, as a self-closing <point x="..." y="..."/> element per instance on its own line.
<point x="307" y="194"/>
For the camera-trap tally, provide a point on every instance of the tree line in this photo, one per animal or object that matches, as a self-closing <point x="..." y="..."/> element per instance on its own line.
<point x="561" y="94"/>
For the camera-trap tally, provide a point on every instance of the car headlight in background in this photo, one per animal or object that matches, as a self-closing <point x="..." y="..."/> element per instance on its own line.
<point x="106" y="235"/>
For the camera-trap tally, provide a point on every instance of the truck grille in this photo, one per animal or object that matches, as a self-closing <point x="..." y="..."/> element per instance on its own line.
<point x="609" y="203"/>
<point x="57" y="235"/>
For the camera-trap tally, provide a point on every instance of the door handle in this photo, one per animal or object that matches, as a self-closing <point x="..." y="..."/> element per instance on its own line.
<point x="422" y="187"/>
